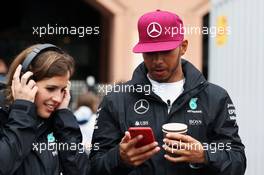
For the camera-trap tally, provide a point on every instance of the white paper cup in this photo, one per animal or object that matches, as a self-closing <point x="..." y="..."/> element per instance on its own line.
<point x="180" y="128"/>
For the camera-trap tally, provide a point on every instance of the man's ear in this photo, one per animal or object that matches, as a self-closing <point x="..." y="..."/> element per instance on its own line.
<point x="183" y="47"/>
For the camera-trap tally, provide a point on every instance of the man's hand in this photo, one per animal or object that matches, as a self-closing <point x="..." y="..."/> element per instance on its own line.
<point x="184" y="147"/>
<point x="136" y="156"/>
<point x="21" y="87"/>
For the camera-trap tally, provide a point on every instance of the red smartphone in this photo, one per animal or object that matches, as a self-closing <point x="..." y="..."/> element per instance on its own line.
<point x="146" y="132"/>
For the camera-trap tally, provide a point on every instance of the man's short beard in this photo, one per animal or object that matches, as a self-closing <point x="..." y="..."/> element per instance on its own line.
<point x="174" y="71"/>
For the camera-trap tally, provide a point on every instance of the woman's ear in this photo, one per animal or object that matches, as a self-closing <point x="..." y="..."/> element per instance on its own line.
<point x="183" y="47"/>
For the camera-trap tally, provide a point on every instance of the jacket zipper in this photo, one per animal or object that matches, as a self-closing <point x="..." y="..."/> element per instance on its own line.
<point x="197" y="87"/>
<point x="169" y="105"/>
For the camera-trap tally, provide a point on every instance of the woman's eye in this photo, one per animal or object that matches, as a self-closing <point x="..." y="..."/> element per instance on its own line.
<point x="62" y="90"/>
<point x="50" y="89"/>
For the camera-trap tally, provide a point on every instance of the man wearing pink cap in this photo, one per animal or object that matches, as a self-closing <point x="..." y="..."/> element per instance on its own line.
<point x="179" y="94"/>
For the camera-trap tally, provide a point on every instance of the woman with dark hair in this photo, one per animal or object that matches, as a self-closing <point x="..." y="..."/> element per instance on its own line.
<point x="38" y="133"/>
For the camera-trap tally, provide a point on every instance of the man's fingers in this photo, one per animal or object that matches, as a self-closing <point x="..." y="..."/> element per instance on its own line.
<point x="146" y="155"/>
<point x="176" y="159"/>
<point x="178" y="144"/>
<point x="134" y="141"/>
<point x="176" y="151"/>
<point x="25" y="77"/>
<point x="182" y="137"/>
<point x="126" y="137"/>
<point x="146" y="148"/>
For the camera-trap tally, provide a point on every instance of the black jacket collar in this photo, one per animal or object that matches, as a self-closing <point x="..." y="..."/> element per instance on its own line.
<point x="194" y="83"/>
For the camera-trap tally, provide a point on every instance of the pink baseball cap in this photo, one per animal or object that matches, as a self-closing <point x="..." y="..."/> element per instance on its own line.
<point x="159" y="31"/>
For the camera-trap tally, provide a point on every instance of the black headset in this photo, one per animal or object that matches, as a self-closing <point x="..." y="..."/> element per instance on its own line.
<point x="35" y="52"/>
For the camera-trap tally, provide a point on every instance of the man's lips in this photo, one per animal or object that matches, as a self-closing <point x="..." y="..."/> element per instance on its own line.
<point x="158" y="72"/>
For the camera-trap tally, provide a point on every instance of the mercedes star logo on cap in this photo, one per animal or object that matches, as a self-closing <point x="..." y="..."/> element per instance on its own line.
<point x="154" y="30"/>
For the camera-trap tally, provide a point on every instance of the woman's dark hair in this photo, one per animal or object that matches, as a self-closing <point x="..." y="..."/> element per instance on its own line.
<point x="47" y="64"/>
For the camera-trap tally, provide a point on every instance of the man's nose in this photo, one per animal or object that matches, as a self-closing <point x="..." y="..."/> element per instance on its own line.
<point x="157" y="58"/>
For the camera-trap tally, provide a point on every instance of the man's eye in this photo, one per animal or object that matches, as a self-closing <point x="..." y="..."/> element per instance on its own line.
<point x="166" y="52"/>
<point x="150" y="53"/>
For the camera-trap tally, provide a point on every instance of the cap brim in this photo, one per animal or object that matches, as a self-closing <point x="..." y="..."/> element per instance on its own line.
<point x="156" y="47"/>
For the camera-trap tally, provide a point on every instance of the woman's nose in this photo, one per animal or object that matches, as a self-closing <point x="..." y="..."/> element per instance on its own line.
<point x="57" y="97"/>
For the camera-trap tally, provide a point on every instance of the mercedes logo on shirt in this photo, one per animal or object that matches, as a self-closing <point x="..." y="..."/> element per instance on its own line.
<point x="154" y="30"/>
<point x="141" y="106"/>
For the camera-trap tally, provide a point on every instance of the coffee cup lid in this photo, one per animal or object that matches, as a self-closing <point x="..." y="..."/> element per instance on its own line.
<point x="179" y="132"/>
<point x="175" y="127"/>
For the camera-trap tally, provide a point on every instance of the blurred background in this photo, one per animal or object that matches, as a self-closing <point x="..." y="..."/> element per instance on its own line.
<point x="232" y="58"/>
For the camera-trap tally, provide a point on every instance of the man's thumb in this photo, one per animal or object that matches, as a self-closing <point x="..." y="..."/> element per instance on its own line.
<point x="126" y="137"/>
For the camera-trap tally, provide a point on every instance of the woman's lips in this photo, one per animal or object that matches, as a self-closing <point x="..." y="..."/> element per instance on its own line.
<point x="50" y="108"/>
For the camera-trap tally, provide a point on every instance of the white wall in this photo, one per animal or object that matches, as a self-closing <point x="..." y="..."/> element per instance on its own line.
<point x="238" y="66"/>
